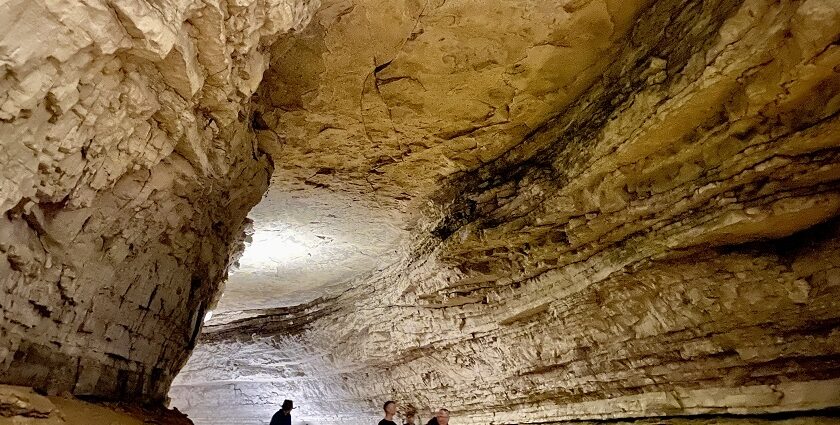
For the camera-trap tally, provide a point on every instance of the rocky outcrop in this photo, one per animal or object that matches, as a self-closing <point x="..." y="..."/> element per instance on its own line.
<point x="22" y="406"/>
<point x="128" y="170"/>
<point x="662" y="241"/>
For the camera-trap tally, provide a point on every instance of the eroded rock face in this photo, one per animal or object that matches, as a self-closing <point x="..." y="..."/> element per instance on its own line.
<point x="128" y="170"/>
<point x="23" y="406"/>
<point x="552" y="211"/>
<point x="661" y="240"/>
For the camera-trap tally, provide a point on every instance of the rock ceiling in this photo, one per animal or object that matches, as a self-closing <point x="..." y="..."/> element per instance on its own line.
<point x="376" y="102"/>
<point x="595" y="154"/>
<point x="526" y="211"/>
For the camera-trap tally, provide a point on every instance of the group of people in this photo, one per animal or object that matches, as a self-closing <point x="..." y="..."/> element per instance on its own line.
<point x="284" y="415"/>
<point x="390" y="407"/>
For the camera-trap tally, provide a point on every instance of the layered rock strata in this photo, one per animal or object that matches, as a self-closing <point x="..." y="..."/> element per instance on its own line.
<point x="664" y="243"/>
<point x="22" y="406"/>
<point x="618" y="210"/>
<point x="128" y="170"/>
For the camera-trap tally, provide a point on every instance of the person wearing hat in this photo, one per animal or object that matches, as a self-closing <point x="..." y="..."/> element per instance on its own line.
<point x="284" y="415"/>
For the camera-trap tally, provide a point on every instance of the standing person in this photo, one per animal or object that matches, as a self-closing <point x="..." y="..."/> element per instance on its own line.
<point x="441" y="418"/>
<point x="390" y="408"/>
<point x="409" y="414"/>
<point x="284" y="415"/>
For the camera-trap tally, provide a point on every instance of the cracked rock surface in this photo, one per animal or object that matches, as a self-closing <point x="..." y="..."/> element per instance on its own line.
<point x="128" y="170"/>
<point x="639" y="215"/>
<point x="22" y="406"/>
<point x="529" y="212"/>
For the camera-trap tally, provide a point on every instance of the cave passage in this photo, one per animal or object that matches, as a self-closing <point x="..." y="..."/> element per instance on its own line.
<point x="522" y="211"/>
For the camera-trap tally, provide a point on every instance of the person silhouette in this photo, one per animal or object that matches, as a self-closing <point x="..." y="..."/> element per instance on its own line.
<point x="284" y="415"/>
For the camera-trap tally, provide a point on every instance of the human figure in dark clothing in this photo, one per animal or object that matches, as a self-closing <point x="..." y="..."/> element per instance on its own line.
<point x="390" y="408"/>
<point x="441" y="418"/>
<point x="284" y="415"/>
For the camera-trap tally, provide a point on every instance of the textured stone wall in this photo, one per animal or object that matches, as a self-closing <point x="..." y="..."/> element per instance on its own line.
<point x="128" y="169"/>
<point x="665" y="245"/>
<point x="23" y="406"/>
<point x="620" y="209"/>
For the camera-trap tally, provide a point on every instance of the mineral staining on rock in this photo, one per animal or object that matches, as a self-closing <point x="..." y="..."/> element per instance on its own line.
<point x="542" y="211"/>
<point x="660" y="240"/>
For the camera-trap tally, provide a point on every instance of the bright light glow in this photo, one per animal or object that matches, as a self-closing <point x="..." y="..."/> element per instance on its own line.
<point x="208" y="316"/>
<point x="273" y="248"/>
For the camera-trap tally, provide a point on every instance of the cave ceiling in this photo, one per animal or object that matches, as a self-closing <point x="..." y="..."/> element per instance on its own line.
<point x="375" y="104"/>
<point x="526" y="211"/>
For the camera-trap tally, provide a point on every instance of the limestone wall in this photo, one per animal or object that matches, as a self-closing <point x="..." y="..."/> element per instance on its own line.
<point x="128" y="169"/>
<point x="629" y="211"/>
<point x="22" y="406"/>
<point x="665" y="245"/>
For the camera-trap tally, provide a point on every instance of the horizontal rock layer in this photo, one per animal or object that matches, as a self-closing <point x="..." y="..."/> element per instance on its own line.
<point x="663" y="244"/>
<point x="128" y="170"/>
<point x="614" y="210"/>
<point x="22" y="406"/>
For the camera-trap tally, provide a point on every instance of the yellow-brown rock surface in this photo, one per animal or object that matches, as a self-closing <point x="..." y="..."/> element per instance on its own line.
<point x="128" y="170"/>
<point x="640" y="218"/>
<point x="23" y="406"/>
<point x="525" y="211"/>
